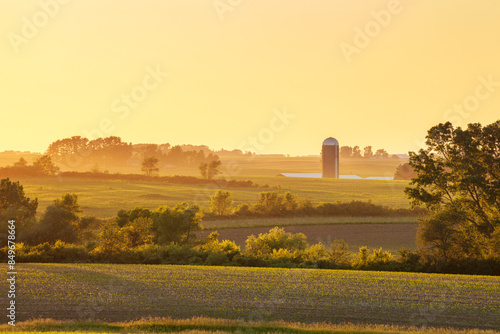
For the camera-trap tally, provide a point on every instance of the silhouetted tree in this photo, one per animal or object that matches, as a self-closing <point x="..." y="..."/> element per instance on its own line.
<point x="367" y="152"/>
<point x="213" y="169"/>
<point x="45" y="165"/>
<point x="404" y="172"/>
<point x="21" y="163"/>
<point x="381" y="153"/>
<point x="356" y="152"/>
<point x="109" y="151"/>
<point x="69" y="151"/>
<point x="150" y="166"/>
<point x="345" y="152"/>
<point x="203" y="169"/>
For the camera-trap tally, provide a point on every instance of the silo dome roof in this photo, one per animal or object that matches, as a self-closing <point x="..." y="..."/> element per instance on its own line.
<point x="330" y="141"/>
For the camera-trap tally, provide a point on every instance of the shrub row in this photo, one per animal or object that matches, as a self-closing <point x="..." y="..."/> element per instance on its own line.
<point x="179" y="179"/>
<point x="341" y="209"/>
<point x="378" y="260"/>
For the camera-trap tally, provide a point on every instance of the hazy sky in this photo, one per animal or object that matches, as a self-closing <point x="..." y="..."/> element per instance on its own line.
<point x="269" y="76"/>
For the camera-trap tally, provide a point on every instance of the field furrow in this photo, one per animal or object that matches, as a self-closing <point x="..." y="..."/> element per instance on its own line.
<point x="127" y="292"/>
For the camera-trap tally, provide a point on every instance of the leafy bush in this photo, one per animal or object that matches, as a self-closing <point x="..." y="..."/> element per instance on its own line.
<point x="266" y="243"/>
<point x="221" y="203"/>
<point x="339" y="254"/>
<point x="243" y="210"/>
<point x="176" y="224"/>
<point x="315" y="253"/>
<point x="225" y="249"/>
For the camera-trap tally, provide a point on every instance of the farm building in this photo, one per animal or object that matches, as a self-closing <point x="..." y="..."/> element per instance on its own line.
<point x="330" y="161"/>
<point x="330" y="158"/>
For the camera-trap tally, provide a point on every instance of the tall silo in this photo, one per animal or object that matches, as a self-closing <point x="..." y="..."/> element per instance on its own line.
<point x="330" y="157"/>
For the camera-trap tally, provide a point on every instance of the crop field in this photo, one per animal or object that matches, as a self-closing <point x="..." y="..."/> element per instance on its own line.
<point x="244" y="166"/>
<point x="271" y="166"/>
<point x="103" y="198"/>
<point x="204" y="325"/>
<point x="127" y="292"/>
<point x="293" y="221"/>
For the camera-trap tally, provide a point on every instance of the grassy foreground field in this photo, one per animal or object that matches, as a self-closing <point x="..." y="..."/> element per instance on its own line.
<point x="103" y="198"/>
<point x="128" y="292"/>
<point x="204" y="325"/>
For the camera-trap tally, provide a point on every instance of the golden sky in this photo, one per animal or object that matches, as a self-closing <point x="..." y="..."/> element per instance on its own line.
<point x="269" y="76"/>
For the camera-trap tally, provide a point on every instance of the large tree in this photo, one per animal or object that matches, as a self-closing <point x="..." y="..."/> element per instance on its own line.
<point x="356" y="152"/>
<point x="60" y="221"/>
<point x="460" y="168"/>
<point x="345" y="152"/>
<point x="45" y="165"/>
<point x="150" y="166"/>
<point x="177" y="224"/>
<point x="221" y="203"/>
<point x="367" y="152"/>
<point x="71" y="152"/>
<point x="14" y="205"/>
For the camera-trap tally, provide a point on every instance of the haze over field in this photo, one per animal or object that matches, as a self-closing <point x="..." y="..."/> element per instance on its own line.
<point x="217" y="73"/>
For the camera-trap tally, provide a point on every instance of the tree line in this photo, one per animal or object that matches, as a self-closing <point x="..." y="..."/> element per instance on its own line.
<point x="348" y="152"/>
<point x="43" y="166"/>
<point x="168" y="235"/>
<point x="457" y="180"/>
<point x="112" y="151"/>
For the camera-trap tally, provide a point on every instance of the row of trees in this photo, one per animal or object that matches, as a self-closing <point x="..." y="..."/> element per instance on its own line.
<point x="207" y="170"/>
<point x="41" y="167"/>
<point x="457" y="180"/>
<point x="347" y="152"/>
<point x="277" y="248"/>
<point x="276" y="204"/>
<point x="168" y="235"/>
<point x="77" y="151"/>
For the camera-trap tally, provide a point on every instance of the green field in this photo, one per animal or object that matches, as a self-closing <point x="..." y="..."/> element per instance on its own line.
<point x="103" y="198"/>
<point x="271" y="166"/>
<point x="129" y="292"/>
<point x="204" y="325"/>
<point x="244" y="166"/>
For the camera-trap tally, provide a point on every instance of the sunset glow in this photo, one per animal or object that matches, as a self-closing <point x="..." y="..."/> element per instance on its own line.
<point x="377" y="73"/>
